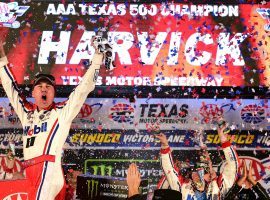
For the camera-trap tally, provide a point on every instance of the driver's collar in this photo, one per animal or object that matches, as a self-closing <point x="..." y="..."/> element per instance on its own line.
<point x="50" y="107"/>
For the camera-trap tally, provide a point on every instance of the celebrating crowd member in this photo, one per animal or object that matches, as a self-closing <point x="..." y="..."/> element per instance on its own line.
<point x="46" y="125"/>
<point x="203" y="182"/>
<point x="246" y="187"/>
<point x="10" y="166"/>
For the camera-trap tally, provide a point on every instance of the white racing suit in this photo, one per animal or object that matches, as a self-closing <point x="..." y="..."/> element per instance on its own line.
<point x="216" y="189"/>
<point x="45" y="131"/>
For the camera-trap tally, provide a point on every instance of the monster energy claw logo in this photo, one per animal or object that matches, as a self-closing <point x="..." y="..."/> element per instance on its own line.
<point x="92" y="186"/>
<point x="102" y="170"/>
<point x="265" y="13"/>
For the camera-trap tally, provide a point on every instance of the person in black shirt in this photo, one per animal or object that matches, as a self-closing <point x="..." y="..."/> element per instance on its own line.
<point x="246" y="188"/>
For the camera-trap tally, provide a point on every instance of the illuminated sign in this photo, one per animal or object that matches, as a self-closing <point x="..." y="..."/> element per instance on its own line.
<point x="237" y="139"/>
<point x="178" y="139"/>
<point x="118" y="167"/>
<point x="172" y="44"/>
<point x="95" y="138"/>
<point x="163" y="113"/>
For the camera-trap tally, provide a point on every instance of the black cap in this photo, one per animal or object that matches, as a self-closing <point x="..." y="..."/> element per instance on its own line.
<point x="165" y="194"/>
<point x="44" y="77"/>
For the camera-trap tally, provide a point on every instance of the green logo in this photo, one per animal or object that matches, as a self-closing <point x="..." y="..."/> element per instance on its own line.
<point x="92" y="186"/>
<point x="102" y="170"/>
<point x="99" y="167"/>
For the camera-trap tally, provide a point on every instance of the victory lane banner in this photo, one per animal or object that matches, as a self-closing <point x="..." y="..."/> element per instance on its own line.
<point x="178" y="139"/>
<point x="173" y="44"/>
<point x="129" y="139"/>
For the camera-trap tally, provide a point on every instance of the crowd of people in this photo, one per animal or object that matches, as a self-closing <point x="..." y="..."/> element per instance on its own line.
<point x="199" y="182"/>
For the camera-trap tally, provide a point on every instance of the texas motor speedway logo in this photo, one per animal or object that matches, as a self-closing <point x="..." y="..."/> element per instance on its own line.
<point x="9" y="13"/>
<point x="265" y="13"/>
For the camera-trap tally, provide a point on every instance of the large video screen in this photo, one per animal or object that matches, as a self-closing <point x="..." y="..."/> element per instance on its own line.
<point x="169" y="44"/>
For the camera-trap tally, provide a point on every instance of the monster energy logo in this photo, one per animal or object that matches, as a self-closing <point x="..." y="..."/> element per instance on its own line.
<point x="92" y="186"/>
<point x="102" y="170"/>
<point x="98" y="167"/>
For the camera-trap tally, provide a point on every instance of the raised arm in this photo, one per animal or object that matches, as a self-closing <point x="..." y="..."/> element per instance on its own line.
<point x="167" y="163"/>
<point x="78" y="96"/>
<point x="229" y="174"/>
<point x="19" y="103"/>
<point x="133" y="181"/>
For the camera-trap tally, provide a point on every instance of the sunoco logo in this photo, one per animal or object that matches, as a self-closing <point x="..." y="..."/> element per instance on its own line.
<point x="17" y="196"/>
<point x="265" y="13"/>
<point x="9" y="13"/>
<point x="122" y="113"/>
<point x="253" y="114"/>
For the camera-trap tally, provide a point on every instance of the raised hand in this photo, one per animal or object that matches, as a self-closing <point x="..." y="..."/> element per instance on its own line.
<point x="133" y="179"/>
<point x="163" y="140"/>
<point x="250" y="176"/>
<point x="243" y="178"/>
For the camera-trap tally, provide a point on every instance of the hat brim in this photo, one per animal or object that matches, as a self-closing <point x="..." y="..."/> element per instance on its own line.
<point x="43" y="79"/>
